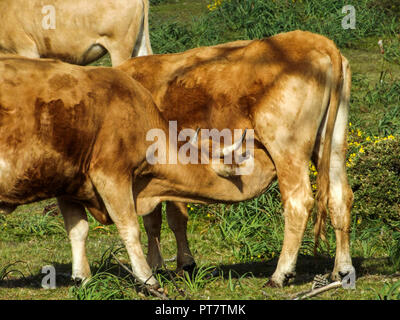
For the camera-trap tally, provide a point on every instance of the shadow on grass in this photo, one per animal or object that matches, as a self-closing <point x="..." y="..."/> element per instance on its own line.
<point x="306" y="268"/>
<point x="13" y="277"/>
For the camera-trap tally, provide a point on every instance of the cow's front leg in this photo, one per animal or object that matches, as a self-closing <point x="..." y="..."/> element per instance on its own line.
<point x="297" y="202"/>
<point x="116" y="193"/>
<point x="76" y="224"/>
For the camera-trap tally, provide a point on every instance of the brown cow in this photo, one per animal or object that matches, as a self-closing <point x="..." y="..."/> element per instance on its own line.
<point x="75" y="31"/>
<point x="293" y="89"/>
<point x="79" y="134"/>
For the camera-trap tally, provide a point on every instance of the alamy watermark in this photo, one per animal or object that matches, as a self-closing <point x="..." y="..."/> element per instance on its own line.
<point x="178" y="149"/>
<point x="49" y="280"/>
<point x="49" y="20"/>
<point x="349" y="280"/>
<point x="349" y="20"/>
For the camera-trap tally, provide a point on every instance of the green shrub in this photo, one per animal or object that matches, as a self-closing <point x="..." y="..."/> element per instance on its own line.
<point x="374" y="175"/>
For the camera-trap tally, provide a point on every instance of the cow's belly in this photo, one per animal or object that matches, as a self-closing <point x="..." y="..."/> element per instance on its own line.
<point x="81" y="55"/>
<point x="24" y="181"/>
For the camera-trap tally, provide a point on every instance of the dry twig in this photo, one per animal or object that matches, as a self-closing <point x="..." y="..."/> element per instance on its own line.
<point x="317" y="291"/>
<point x="146" y="286"/>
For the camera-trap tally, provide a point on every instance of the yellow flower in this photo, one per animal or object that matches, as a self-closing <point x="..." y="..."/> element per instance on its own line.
<point x="215" y="5"/>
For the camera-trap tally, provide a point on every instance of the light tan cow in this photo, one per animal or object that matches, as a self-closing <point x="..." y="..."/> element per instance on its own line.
<point x="79" y="134"/>
<point x="75" y="31"/>
<point x="293" y="89"/>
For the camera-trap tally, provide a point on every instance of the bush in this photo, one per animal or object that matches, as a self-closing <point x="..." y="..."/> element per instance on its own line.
<point x="374" y="175"/>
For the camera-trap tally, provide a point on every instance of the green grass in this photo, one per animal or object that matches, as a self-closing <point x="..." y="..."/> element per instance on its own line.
<point x="239" y="244"/>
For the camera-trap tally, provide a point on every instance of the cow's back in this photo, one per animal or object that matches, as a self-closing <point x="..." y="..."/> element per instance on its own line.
<point x="220" y="86"/>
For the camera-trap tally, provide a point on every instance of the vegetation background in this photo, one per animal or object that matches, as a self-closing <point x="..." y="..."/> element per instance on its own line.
<point x="236" y="246"/>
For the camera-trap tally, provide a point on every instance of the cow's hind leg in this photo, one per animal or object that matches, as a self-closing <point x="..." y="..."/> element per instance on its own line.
<point x="177" y="220"/>
<point x="340" y="193"/>
<point x="116" y="193"/>
<point x="152" y="224"/>
<point x="177" y="217"/>
<point x="297" y="199"/>
<point x="76" y="224"/>
<point x="339" y="203"/>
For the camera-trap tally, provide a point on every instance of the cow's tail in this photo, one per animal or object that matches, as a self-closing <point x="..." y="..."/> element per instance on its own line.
<point x="146" y="31"/>
<point x="323" y="163"/>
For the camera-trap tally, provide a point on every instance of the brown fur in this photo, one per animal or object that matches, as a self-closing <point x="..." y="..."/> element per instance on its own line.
<point x="263" y="85"/>
<point x="84" y="143"/>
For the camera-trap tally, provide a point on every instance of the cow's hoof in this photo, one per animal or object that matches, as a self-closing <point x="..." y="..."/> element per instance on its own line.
<point x="79" y="281"/>
<point x="279" y="284"/>
<point x="189" y="268"/>
<point x="342" y="273"/>
<point x="289" y="276"/>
